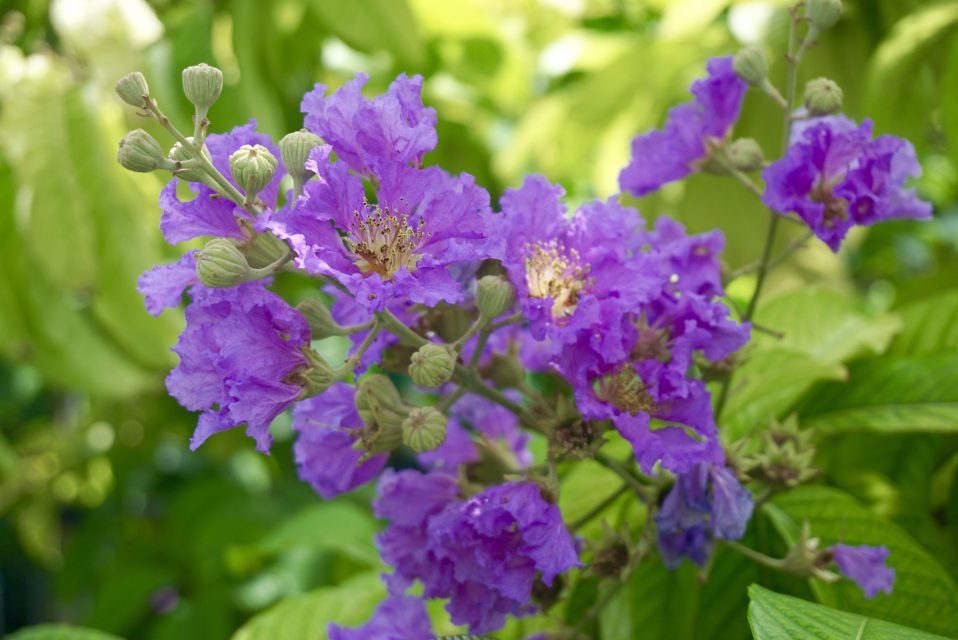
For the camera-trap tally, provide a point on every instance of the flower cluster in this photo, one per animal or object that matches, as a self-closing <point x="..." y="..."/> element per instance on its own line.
<point x="624" y="322"/>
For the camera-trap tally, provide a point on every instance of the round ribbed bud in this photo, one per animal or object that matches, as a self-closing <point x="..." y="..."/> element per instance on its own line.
<point x="424" y="429"/>
<point x="179" y="154"/>
<point x="202" y="85"/>
<point x="823" y="14"/>
<point x="319" y="376"/>
<point x="252" y="167"/>
<point x="823" y="97"/>
<point x="745" y="154"/>
<point x="264" y="249"/>
<point x="382" y="410"/>
<point x="751" y="65"/>
<point x="220" y="264"/>
<point x="133" y="89"/>
<point x="320" y="319"/>
<point x="140" y="152"/>
<point x="431" y="365"/>
<point x="494" y="296"/>
<point x="295" y="148"/>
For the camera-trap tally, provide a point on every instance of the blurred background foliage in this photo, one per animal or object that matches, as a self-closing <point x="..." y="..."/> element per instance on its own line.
<point x="110" y="522"/>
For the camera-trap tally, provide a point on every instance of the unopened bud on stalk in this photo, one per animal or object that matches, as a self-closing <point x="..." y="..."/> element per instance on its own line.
<point x="745" y="154"/>
<point x="431" y="365"/>
<point x="424" y="429"/>
<point x="751" y="65"/>
<point x="294" y="149"/>
<point x="382" y="410"/>
<point x="220" y="264"/>
<point x="139" y="151"/>
<point x="823" y="14"/>
<point x="252" y="167"/>
<point x="179" y="154"/>
<point x="202" y="85"/>
<point x="320" y="319"/>
<point x="823" y="97"/>
<point x="133" y="89"/>
<point x="319" y="376"/>
<point x="494" y="296"/>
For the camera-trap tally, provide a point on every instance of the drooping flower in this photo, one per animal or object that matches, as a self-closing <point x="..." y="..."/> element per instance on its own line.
<point x="865" y="565"/>
<point x="392" y="127"/>
<point x="396" y="618"/>
<point x="242" y="360"/>
<point x="209" y="213"/>
<point x="670" y="153"/>
<point x="835" y="176"/>
<point x="483" y="553"/>
<point x="328" y="427"/>
<point x="705" y="503"/>
<point x="423" y="222"/>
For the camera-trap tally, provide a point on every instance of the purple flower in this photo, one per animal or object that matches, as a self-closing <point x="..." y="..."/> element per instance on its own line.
<point x="866" y="566"/>
<point x="705" y="503"/>
<point x="424" y="221"/>
<point x="835" y="176"/>
<point x="397" y="618"/>
<point x="328" y="427"/>
<point x="483" y="553"/>
<point x="393" y="127"/>
<point x="240" y="355"/>
<point x="208" y="213"/>
<point x="163" y="285"/>
<point x="670" y="154"/>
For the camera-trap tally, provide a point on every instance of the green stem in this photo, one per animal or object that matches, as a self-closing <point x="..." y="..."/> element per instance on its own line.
<point x="756" y="556"/>
<point x="353" y="361"/>
<point x="599" y="508"/>
<point x="631" y="480"/>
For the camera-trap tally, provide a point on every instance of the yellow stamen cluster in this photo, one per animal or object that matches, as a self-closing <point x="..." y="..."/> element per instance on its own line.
<point x="550" y="274"/>
<point x="384" y="241"/>
<point x="625" y="390"/>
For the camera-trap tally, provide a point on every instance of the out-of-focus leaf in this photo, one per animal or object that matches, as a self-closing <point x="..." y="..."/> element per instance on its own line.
<point x="774" y="616"/>
<point x="929" y="326"/>
<point x="672" y="615"/>
<point x="60" y="632"/>
<point x="124" y="596"/>
<point x="907" y="394"/>
<point x="337" y="526"/>
<point x="924" y="595"/>
<point x="376" y="25"/>
<point x="305" y="617"/>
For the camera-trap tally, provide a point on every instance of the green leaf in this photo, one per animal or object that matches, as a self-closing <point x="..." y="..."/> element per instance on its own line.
<point x="668" y="608"/>
<point x="924" y="595"/>
<point x="902" y="395"/>
<point x="305" y="617"/>
<point x="774" y="616"/>
<point x="376" y="25"/>
<point x="930" y="325"/>
<point x="351" y="534"/>
<point x="60" y="632"/>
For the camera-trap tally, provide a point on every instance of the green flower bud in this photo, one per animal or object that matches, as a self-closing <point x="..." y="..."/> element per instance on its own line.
<point x="179" y="154"/>
<point x="431" y="365"/>
<point x="220" y="264"/>
<point x="294" y="149"/>
<point x="823" y="97"/>
<point x="133" y="89"/>
<point x="745" y="154"/>
<point x="382" y="411"/>
<point x="823" y="14"/>
<point x="139" y="151"/>
<point x="263" y="249"/>
<point x="424" y="429"/>
<point x="202" y="85"/>
<point x="319" y="376"/>
<point x="494" y="296"/>
<point x="751" y="65"/>
<point x="252" y="167"/>
<point x="320" y="319"/>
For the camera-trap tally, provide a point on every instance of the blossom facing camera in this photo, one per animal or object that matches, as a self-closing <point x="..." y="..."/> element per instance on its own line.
<point x="670" y="153"/>
<point x="836" y="176"/>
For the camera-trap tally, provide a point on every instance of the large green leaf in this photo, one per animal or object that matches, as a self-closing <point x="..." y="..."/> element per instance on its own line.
<point x="338" y="526"/>
<point x="924" y="595"/>
<point x="929" y="326"/>
<point x="60" y="632"/>
<point x="891" y="395"/>
<point x="376" y="25"/>
<point x="774" y="616"/>
<point x="306" y="616"/>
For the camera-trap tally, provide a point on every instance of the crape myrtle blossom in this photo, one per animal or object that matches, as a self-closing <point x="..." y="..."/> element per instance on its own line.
<point x="865" y="565"/>
<point x="209" y="213"/>
<point x="328" y="427"/>
<point x="705" y="503"/>
<point x="396" y="618"/>
<point x="671" y="153"/>
<point x="483" y="553"/>
<point x="243" y="359"/>
<point x="835" y="176"/>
